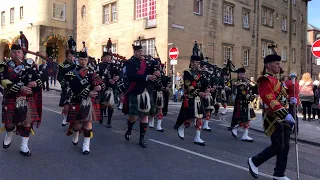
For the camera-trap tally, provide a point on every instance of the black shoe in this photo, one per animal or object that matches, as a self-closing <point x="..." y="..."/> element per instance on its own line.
<point x="199" y="143"/>
<point x="142" y="143"/>
<point x="143" y="129"/>
<point x="25" y="153"/>
<point x="6" y="146"/>
<point x="160" y="130"/>
<point x="109" y="125"/>
<point x="127" y="135"/>
<point x="86" y="152"/>
<point x="208" y="130"/>
<point x="63" y="125"/>
<point x="101" y="121"/>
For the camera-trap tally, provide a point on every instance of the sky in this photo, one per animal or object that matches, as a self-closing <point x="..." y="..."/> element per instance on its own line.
<point x="313" y="13"/>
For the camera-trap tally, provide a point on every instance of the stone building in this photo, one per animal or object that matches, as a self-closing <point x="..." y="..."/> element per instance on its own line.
<point x="312" y="66"/>
<point x="228" y="29"/>
<point x="46" y="24"/>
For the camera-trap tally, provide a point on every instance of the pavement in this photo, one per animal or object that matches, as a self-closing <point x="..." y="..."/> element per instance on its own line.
<point x="54" y="157"/>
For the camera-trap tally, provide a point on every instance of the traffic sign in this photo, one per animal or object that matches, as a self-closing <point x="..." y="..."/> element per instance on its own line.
<point x="173" y="62"/>
<point x="318" y="61"/>
<point x="173" y="53"/>
<point x="316" y="48"/>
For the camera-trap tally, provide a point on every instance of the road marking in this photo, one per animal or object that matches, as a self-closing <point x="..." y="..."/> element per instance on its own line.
<point x="207" y="157"/>
<point x="45" y="108"/>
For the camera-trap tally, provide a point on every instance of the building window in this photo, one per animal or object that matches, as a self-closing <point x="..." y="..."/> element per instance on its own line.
<point x="146" y="9"/>
<point x="267" y="17"/>
<point x="83" y="11"/>
<point x="284" y="53"/>
<point x="21" y="12"/>
<point x="293" y="2"/>
<point x="301" y="18"/>
<point x="113" y="48"/>
<point x="197" y="7"/>
<point x="12" y="15"/>
<point x="246" y="57"/>
<point x="246" y="14"/>
<point x="58" y="11"/>
<point x="293" y="55"/>
<point x="293" y="28"/>
<point x="114" y="12"/>
<point x="227" y="54"/>
<point x="284" y="24"/>
<point x="264" y="49"/>
<point x="228" y="14"/>
<point x="3" y="18"/>
<point x="110" y="17"/>
<point x="264" y="16"/>
<point x="106" y="14"/>
<point x="147" y="46"/>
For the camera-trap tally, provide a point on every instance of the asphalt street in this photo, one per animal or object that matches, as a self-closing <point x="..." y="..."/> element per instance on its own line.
<point x="54" y="157"/>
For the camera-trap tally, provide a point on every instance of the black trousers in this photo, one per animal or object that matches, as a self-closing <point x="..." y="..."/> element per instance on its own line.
<point x="306" y="105"/>
<point x="280" y="144"/>
<point x="45" y="83"/>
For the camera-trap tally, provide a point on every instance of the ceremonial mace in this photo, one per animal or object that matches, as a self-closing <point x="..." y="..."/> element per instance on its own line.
<point x="293" y="79"/>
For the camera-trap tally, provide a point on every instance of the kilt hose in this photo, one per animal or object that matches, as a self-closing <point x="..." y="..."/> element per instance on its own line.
<point x="133" y="106"/>
<point x="9" y="105"/>
<point x="74" y="110"/>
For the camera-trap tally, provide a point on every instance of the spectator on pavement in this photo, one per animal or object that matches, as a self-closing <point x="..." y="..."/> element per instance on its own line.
<point x="306" y="95"/>
<point x="178" y="88"/>
<point x="44" y="74"/>
<point x="315" y="105"/>
<point x="54" y="72"/>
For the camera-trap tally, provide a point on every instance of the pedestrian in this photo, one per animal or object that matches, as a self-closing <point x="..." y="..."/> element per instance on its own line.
<point x="44" y="74"/>
<point x="315" y="104"/>
<point x="54" y="71"/>
<point x="277" y="120"/>
<point x="306" y="95"/>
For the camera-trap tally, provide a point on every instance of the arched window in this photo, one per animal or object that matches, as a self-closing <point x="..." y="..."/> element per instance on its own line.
<point x="83" y="11"/>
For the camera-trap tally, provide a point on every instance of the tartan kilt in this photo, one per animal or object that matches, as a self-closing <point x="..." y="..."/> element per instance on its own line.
<point x="133" y="106"/>
<point x="9" y="105"/>
<point x="75" y="107"/>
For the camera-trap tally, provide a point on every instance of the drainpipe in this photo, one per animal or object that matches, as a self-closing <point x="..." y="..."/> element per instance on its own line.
<point x="290" y="36"/>
<point x="256" y="36"/>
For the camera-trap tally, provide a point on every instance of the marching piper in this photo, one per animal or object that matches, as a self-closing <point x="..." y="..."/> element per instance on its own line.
<point x="192" y="107"/>
<point x="208" y="101"/>
<point x="65" y="67"/>
<point x="110" y="75"/>
<point x="85" y="85"/>
<point x="156" y="92"/>
<point x="242" y="112"/>
<point x="137" y="99"/>
<point x="22" y="97"/>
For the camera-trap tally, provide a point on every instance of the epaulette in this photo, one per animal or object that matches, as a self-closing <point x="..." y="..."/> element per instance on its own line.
<point x="263" y="78"/>
<point x="70" y="74"/>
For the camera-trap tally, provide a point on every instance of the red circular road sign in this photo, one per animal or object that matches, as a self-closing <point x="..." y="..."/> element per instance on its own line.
<point x="173" y="53"/>
<point x="316" y="48"/>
